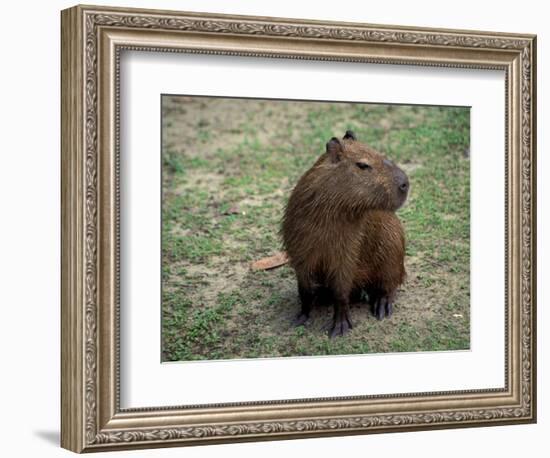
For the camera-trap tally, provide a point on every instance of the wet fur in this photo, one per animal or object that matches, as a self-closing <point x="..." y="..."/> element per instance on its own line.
<point x="342" y="235"/>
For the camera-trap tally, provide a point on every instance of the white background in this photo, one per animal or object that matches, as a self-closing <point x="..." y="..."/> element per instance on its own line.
<point x="29" y="246"/>
<point x="145" y="76"/>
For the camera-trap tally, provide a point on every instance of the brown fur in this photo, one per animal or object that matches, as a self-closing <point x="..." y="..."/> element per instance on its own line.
<point x="341" y="233"/>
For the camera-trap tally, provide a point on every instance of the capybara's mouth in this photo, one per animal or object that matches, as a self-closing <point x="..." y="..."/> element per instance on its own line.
<point x="402" y="198"/>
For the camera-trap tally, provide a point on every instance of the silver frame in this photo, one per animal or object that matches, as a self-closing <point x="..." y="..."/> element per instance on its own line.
<point x="92" y="40"/>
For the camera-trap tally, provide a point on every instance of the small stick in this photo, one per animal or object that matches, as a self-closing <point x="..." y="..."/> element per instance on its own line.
<point x="271" y="262"/>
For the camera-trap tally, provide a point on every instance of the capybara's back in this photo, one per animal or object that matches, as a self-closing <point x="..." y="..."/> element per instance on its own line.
<point x="341" y="233"/>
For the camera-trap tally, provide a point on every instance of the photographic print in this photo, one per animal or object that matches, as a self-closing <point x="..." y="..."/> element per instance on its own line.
<point x="310" y="228"/>
<point x="332" y="230"/>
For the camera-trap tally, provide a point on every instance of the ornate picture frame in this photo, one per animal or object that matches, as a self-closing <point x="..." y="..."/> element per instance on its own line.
<point x="92" y="41"/>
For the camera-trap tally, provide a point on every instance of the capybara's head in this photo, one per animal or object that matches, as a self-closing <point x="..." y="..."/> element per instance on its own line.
<point x="369" y="178"/>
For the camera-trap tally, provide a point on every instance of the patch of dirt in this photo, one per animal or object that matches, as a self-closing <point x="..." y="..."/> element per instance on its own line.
<point x="215" y="277"/>
<point x="179" y="231"/>
<point x="223" y="124"/>
<point x="449" y="217"/>
<point x="207" y="181"/>
<point x="410" y="167"/>
<point x="252" y="201"/>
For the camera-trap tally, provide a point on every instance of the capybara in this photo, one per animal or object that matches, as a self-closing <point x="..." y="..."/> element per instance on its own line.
<point x="341" y="233"/>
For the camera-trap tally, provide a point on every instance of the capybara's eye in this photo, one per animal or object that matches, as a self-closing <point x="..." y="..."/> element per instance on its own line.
<point x="363" y="165"/>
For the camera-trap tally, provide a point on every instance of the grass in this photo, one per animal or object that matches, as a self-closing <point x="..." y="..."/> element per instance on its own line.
<point x="228" y="168"/>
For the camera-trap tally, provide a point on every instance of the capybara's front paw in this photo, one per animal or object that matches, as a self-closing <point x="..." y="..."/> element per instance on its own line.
<point x="383" y="307"/>
<point x="301" y="319"/>
<point x="340" y="326"/>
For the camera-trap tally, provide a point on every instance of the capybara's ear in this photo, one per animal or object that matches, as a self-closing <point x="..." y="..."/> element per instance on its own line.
<point x="335" y="149"/>
<point x="350" y="135"/>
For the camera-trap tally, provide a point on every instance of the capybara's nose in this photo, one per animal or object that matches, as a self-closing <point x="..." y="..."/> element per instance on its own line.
<point x="401" y="180"/>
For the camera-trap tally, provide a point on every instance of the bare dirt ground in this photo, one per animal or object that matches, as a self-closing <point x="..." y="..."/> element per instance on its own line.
<point x="228" y="168"/>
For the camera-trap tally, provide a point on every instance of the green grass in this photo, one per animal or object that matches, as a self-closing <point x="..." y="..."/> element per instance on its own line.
<point x="228" y="168"/>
